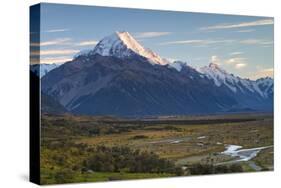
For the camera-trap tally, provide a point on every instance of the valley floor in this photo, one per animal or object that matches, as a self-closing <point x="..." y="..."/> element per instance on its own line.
<point x="193" y="144"/>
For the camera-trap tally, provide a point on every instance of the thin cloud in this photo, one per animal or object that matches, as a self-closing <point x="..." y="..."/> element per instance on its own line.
<point x="246" y="31"/>
<point x="150" y="34"/>
<point x="55" y="30"/>
<point x="256" y="41"/>
<point x="236" y="53"/>
<point x="49" y="31"/>
<point x="54" y="52"/>
<point x="240" y="65"/>
<point x="88" y="43"/>
<point x="170" y="59"/>
<point x="215" y="59"/>
<point x="197" y="42"/>
<point x="62" y="41"/>
<point x="206" y="42"/>
<point x="236" y="60"/>
<point x="239" y="25"/>
<point x="51" y="60"/>
<point x="184" y="42"/>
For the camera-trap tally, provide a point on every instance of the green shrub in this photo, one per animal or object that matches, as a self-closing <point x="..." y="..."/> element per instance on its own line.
<point x="139" y="137"/>
<point x="201" y="169"/>
<point x="123" y="159"/>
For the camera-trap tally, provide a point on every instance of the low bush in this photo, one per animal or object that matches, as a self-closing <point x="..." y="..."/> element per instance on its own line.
<point x="139" y="137"/>
<point x="201" y="169"/>
<point x="124" y="159"/>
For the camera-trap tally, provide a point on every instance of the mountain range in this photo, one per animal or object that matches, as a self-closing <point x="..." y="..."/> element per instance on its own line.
<point x="121" y="77"/>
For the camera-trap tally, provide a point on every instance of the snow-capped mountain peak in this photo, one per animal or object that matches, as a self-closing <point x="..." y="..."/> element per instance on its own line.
<point x="265" y="81"/>
<point x="222" y="77"/>
<point x="215" y="67"/>
<point x="178" y="65"/>
<point x="218" y="75"/>
<point x="265" y="85"/>
<point x="122" y="45"/>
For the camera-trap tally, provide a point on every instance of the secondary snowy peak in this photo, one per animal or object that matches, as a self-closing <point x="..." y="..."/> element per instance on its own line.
<point x="266" y="86"/>
<point x="122" y="45"/>
<point x="219" y="76"/>
<point x="42" y="69"/>
<point x="178" y="65"/>
<point x="215" y="67"/>
<point x="234" y="83"/>
<point x="267" y="81"/>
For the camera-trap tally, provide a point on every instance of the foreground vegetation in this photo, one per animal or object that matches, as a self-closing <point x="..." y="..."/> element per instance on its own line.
<point x="89" y="149"/>
<point x="77" y="163"/>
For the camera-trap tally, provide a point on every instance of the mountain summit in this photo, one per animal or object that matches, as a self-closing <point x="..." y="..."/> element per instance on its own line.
<point x="123" y="45"/>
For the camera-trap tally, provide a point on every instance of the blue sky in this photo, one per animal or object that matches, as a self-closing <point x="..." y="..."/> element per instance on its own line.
<point x="242" y="45"/>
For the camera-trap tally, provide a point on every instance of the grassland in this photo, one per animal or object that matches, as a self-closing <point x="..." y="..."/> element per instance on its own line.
<point x="68" y="141"/>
